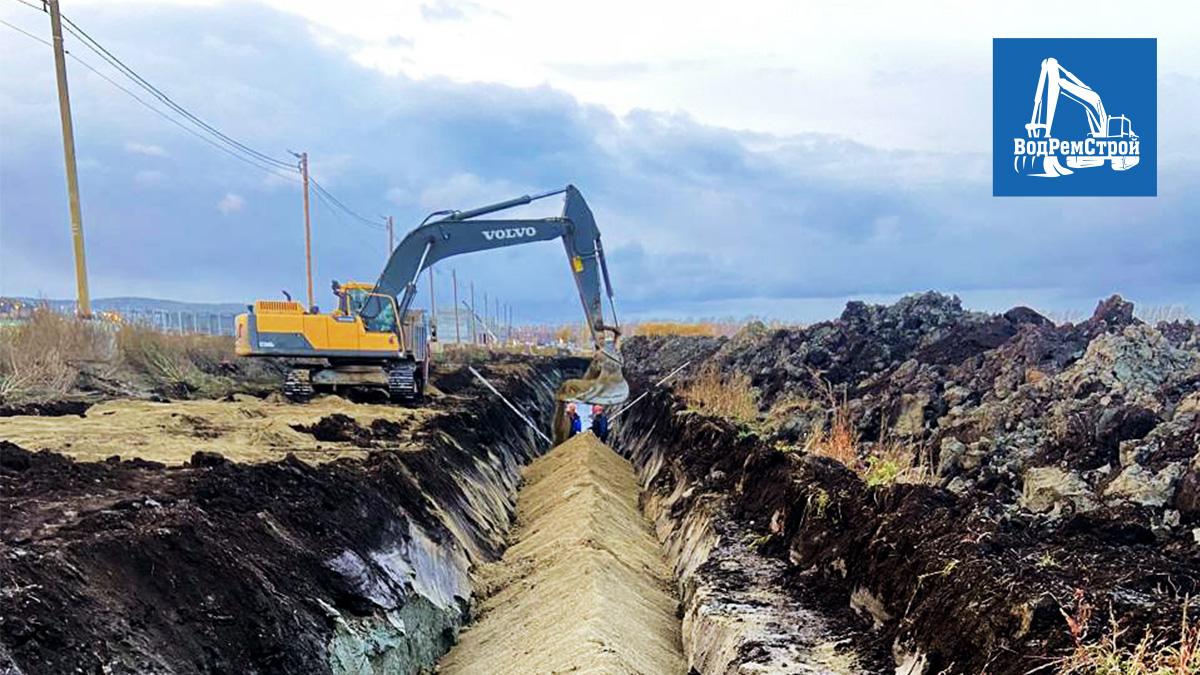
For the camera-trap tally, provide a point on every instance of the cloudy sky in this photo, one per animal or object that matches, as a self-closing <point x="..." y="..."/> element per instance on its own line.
<point x="752" y="158"/>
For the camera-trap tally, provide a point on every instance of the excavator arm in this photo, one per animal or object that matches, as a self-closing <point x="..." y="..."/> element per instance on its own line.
<point x="459" y="232"/>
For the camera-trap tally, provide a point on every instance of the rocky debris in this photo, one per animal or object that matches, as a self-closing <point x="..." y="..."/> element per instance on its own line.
<point x="956" y="583"/>
<point x="988" y="396"/>
<point x="1049" y="487"/>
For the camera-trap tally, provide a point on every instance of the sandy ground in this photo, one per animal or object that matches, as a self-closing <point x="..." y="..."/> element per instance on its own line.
<point x="583" y="588"/>
<point x="246" y="429"/>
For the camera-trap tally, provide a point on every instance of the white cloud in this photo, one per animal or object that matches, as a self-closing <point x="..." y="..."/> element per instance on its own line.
<point x="147" y="149"/>
<point x="230" y="203"/>
<point x="149" y="178"/>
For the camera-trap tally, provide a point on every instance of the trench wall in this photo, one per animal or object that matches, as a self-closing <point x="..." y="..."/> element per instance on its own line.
<point x="352" y="567"/>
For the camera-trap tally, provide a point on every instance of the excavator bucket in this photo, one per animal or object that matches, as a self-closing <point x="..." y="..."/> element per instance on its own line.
<point x="603" y="384"/>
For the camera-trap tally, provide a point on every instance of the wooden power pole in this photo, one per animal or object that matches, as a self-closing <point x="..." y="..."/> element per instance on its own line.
<point x="307" y="231"/>
<point x="391" y="246"/>
<point x="83" y="300"/>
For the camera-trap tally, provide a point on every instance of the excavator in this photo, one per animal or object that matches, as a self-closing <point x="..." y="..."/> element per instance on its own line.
<point x="376" y="340"/>
<point x="1053" y="81"/>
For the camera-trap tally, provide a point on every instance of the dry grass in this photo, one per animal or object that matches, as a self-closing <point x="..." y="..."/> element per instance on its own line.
<point x="839" y="439"/>
<point x="881" y="464"/>
<point x="729" y="396"/>
<point x="1152" y="655"/>
<point x="890" y="462"/>
<point x="187" y="360"/>
<point x="40" y="359"/>
<point x="661" y="328"/>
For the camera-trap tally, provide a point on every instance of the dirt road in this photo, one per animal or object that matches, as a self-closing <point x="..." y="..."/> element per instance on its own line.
<point x="583" y="587"/>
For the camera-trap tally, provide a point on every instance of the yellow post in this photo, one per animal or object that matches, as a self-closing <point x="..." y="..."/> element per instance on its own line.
<point x="64" y="108"/>
<point x="307" y="231"/>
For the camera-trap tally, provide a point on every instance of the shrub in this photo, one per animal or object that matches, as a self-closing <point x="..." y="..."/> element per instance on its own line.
<point x="163" y="358"/>
<point x="839" y="439"/>
<point x="40" y="359"/>
<point x="728" y="396"/>
<point x="881" y="464"/>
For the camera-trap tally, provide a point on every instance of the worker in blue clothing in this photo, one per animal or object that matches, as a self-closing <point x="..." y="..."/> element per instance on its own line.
<point x="576" y="423"/>
<point x="599" y="423"/>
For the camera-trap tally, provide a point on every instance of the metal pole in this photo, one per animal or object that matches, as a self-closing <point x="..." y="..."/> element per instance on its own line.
<point x="64" y="109"/>
<point x="520" y="414"/>
<point x="474" y="332"/>
<point x="307" y="231"/>
<point x="433" y="332"/>
<point x="454" y="280"/>
<point x="658" y="384"/>
<point x="486" y="329"/>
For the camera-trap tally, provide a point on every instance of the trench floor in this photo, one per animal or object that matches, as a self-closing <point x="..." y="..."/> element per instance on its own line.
<point x="583" y="586"/>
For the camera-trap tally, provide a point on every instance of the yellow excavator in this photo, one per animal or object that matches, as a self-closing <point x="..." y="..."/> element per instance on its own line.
<point x="375" y="340"/>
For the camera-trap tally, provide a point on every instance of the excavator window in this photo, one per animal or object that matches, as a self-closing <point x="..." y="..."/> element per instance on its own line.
<point x="378" y="312"/>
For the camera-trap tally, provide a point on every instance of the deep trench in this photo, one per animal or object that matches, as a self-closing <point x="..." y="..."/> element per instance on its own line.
<point x="376" y="567"/>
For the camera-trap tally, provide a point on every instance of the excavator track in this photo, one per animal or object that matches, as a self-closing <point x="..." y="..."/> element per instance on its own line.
<point x="297" y="386"/>
<point x="404" y="382"/>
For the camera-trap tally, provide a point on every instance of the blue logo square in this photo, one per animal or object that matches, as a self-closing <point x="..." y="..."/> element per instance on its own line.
<point x="1074" y="117"/>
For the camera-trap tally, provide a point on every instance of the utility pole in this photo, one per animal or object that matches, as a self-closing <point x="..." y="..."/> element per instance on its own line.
<point x="307" y="231"/>
<point x="486" y="327"/>
<point x="474" y="332"/>
<point x="454" y="280"/>
<point x="496" y="321"/>
<point x="432" y="308"/>
<point x="391" y="246"/>
<point x="83" y="302"/>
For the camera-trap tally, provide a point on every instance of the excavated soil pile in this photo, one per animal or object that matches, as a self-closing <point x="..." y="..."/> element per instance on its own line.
<point x="583" y="587"/>
<point x="1061" y="467"/>
<point x="356" y="565"/>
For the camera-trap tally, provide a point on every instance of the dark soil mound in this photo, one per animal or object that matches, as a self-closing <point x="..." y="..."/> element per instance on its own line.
<point x="46" y="409"/>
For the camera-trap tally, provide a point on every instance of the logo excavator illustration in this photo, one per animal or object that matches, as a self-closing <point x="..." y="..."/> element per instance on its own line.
<point x="1111" y="138"/>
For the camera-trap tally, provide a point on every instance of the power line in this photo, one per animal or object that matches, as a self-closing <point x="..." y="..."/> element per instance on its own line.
<point x="338" y="203"/>
<point x="155" y="110"/>
<point x="226" y="144"/>
<point x="30" y="4"/>
<point x="99" y="49"/>
<point x="25" y="32"/>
